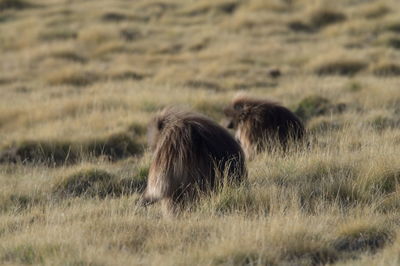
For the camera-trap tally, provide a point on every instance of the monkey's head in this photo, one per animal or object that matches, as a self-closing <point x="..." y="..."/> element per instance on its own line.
<point x="159" y="123"/>
<point x="154" y="130"/>
<point x="156" y="127"/>
<point x="240" y="109"/>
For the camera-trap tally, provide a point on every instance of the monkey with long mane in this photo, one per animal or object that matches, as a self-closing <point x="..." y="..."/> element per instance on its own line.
<point x="191" y="153"/>
<point x="263" y="125"/>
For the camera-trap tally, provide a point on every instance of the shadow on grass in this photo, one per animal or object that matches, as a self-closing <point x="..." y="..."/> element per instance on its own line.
<point x="386" y="69"/>
<point x="19" y="202"/>
<point x="56" y="153"/>
<point x="29" y="254"/>
<point x="318" y="19"/>
<point x="15" y="4"/>
<point x="94" y="182"/>
<point x="342" y="67"/>
<point x="315" y="106"/>
<point x="363" y="240"/>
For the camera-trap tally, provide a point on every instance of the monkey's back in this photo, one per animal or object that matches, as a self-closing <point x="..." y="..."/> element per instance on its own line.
<point x="281" y="121"/>
<point x="224" y="151"/>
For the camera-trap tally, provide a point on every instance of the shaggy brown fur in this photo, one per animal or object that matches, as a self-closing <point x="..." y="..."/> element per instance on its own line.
<point x="191" y="154"/>
<point x="261" y="124"/>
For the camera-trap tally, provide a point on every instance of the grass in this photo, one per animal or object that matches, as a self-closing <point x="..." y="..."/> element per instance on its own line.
<point x="376" y="11"/>
<point x="94" y="182"/>
<point x="390" y="40"/>
<point x="324" y="17"/>
<point x="60" y="34"/>
<point x="317" y="19"/>
<point x="72" y="77"/>
<point x="69" y="55"/>
<point x="224" y="7"/>
<point x="338" y="66"/>
<point x="386" y="69"/>
<point x="393" y="26"/>
<point x="14" y="4"/>
<point x="356" y="237"/>
<point x="313" y="106"/>
<point x="80" y="82"/>
<point x="114" y="147"/>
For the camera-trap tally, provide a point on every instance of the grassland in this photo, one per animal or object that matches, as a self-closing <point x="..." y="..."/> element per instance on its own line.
<point x="79" y="80"/>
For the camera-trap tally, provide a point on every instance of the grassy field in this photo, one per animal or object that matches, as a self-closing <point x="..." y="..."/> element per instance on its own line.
<point x="79" y="81"/>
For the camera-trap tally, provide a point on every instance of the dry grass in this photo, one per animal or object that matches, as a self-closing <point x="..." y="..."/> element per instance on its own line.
<point x="80" y="80"/>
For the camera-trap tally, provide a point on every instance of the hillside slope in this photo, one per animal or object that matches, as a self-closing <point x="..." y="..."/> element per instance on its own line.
<point x="79" y="81"/>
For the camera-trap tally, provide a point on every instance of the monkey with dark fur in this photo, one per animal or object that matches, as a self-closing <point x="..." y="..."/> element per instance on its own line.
<point x="191" y="154"/>
<point x="263" y="125"/>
